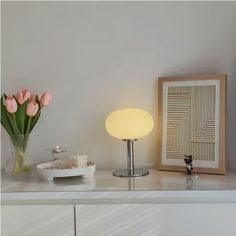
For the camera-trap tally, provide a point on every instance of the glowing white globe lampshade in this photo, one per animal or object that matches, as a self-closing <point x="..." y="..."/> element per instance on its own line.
<point x="129" y="123"/>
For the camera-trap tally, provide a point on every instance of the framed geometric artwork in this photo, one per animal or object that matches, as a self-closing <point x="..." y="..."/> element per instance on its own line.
<point x="192" y="120"/>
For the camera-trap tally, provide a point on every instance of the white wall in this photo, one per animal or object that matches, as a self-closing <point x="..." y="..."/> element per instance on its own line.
<point x="95" y="57"/>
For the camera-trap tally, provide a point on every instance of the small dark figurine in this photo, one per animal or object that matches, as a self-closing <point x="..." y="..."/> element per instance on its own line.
<point x="189" y="166"/>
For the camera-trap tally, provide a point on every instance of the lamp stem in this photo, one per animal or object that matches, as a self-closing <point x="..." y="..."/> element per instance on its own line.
<point x="130" y="156"/>
<point x="130" y="171"/>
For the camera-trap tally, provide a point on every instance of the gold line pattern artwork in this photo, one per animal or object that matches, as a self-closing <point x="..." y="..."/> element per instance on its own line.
<point x="191" y="122"/>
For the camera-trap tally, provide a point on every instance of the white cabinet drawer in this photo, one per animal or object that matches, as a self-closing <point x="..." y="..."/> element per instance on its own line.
<point x="38" y="220"/>
<point x="156" y="220"/>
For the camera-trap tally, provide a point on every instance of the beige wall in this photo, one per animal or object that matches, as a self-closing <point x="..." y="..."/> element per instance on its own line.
<point x="96" y="57"/>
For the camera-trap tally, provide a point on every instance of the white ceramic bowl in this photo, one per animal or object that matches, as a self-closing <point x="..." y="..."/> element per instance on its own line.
<point x="46" y="171"/>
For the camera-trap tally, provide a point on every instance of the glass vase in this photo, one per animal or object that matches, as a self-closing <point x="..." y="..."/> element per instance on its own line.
<point x="17" y="164"/>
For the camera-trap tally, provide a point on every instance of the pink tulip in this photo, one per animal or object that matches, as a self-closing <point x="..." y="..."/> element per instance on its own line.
<point x="45" y="99"/>
<point x="11" y="104"/>
<point x="22" y="96"/>
<point x="32" y="108"/>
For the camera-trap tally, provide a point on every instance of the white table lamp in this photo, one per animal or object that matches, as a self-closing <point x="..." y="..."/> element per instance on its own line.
<point x="129" y="124"/>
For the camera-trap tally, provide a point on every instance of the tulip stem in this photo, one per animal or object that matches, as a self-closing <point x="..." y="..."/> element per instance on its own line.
<point x="26" y="136"/>
<point x="21" y="165"/>
<point x="14" y="117"/>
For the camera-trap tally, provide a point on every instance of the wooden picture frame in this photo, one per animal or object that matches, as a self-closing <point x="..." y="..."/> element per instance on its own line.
<point x="192" y="121"/>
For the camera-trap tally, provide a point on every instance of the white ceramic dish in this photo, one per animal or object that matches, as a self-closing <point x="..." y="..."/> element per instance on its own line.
<point x="46" y="171"/>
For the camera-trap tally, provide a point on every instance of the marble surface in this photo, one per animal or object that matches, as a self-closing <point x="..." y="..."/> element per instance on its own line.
<point x="158" y="186"/>
<point x="105" y="181"/>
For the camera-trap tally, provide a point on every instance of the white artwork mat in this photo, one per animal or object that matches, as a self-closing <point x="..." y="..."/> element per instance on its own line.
<point x="198" y="163"/>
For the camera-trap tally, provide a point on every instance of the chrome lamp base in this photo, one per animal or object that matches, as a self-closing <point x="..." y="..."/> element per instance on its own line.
<point x="127" y="173"/>
<point x="130" y="171"/>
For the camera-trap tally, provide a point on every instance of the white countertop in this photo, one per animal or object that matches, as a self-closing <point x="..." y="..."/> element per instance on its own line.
<point x="157" y="187"/>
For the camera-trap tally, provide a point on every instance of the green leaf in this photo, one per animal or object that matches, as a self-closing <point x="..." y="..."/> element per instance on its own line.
<point x="36" y="117"/>
<point x="38" y="100"/>
<point x="20" y="116"/>
<point x="26" y="123"/>
<point x="34" y="120"/>
<point x="27" y="132"/>
<point x="29" y="125"/>
<point x="17" y="137"/>
<point x="11" y="117"/>
<point x="4" y="119"/>
<point x="9" y="123"/>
